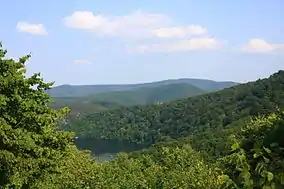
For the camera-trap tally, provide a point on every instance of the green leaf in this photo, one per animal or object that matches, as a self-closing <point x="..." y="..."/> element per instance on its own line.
<point x="267" y="150"/>
<point x="235" y="146"/>
<point x="269" y="176"/>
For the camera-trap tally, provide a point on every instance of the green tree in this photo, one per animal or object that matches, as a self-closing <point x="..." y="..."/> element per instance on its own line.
<point x="161" y="168"/>
<point x="31" y="150"/>
<point x="257" y="160"/>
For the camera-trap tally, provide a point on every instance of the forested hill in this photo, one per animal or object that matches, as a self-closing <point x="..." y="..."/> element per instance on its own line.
<point x="85" y="90"/>
<point x="151" y="123"/>
<point x="147" y="95"/>
<point x="81" y="106"/>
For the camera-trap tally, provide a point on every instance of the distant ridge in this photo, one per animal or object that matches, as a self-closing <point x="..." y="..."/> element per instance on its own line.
<point x="141" y="96"/>
<point x="183" y="118"/>
<point x="148" y="95"/>
<point x="85" y="90"/>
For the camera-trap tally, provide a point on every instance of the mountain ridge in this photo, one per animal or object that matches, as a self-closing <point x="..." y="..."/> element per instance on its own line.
<point x="140" y="96"/>
<point x="85" y="90"/>
<point x="151" y="123"/>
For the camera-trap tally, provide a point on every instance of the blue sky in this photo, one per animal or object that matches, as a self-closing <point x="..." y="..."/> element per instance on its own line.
<point x="102" y="42"/>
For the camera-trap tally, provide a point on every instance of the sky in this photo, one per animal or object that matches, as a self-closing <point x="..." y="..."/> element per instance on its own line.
<point x="117" y="42"/>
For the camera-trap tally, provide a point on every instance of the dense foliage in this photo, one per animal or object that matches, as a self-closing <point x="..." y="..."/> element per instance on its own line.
<point x="165" y="168"/>
<point x="256" y="160"/>
<point x="243" y="152"/>
<point x="32" y="153"/>
<point x="182" y="118"/>
<point x="81" y="106"/>
<point x="148" y="95"/>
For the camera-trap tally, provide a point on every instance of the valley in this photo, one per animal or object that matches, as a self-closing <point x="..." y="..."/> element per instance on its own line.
<point x="96" y="99"/>
<point x="83" y="100"/>
<point x="144" y="125"/>
<point x="175" y="135"/>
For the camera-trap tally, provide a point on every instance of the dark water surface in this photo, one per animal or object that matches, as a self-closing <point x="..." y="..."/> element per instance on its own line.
<point x="101" y="147"/>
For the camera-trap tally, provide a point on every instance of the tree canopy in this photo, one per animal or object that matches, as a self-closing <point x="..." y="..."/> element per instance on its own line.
<point x="31" y="150"/>
<point x="182" y="118"/>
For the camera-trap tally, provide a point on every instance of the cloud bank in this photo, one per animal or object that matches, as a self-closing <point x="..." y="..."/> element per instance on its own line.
<point x="34" y="29"/>
<point x="143" y="25"/>
<point x="261" y="46"/>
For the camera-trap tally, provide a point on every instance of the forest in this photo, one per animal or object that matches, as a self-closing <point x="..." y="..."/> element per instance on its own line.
<point x="87" y="99"/>
<point x="232" y="138"/>
<point x="182" y="118"/>
<point x="84" y="105"/>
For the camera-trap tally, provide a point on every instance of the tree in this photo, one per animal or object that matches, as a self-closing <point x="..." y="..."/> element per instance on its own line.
<point x="31" y="150"/>
<point x="257" y="158"/>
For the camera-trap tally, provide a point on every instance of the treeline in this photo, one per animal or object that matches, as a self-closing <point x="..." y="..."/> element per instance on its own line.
<point x="182" y="118"/>
<point x="254" y="161"/>
<point x="85" y="105"/>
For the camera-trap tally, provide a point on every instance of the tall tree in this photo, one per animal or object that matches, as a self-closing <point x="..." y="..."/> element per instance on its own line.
<point x="30" y="147"/>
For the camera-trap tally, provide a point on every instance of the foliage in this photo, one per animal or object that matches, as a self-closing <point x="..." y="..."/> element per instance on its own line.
<point x="168" y="168"/>
<point x="81" y="106"/>
<point x="257" y="160"/>
<point x="250" y="165"/>
<point x="31" y="151"/>
<point x="148" y="95"/>
<point x="152" y="123"/>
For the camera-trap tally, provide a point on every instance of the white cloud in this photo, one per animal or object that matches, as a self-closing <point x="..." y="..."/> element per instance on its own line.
<point x="261" y="46"/>
<point x="81" y="61"/>
<point x="35" y="29"/>
<point x="193" y="44"/>
<point x="141" y="25"/>
<point x="179" y="31"/>
<point x="136" y="24"/>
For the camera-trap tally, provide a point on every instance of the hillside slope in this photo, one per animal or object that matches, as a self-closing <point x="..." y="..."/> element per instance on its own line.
<point x="85" y="90"/>
<point x="80" y="106"/>
<point x="106" y="101"/>
<point x="152" y="123"/>
<point x="148" y="95"/>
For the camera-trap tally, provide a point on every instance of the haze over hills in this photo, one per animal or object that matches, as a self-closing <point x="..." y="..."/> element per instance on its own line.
<point x="85" y="90"/>
<point x="140" y="96"/>
<point x="148" y="95"/>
